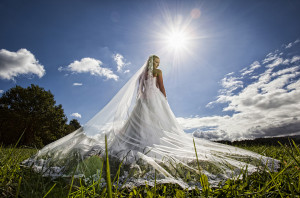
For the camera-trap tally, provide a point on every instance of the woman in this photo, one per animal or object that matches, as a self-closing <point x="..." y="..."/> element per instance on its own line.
<point x="142" y="130"/>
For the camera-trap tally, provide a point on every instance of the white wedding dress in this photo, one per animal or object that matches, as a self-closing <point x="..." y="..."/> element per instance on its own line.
<point x="142" y="129"/>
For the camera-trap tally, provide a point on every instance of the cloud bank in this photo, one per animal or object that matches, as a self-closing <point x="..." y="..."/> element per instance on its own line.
<point x="13" y="64"/>
<point x="262" y="100"/>
<point x="92" y="66"/>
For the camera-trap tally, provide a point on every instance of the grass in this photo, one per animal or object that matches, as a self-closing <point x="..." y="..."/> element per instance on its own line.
<point x="20" y="182"/>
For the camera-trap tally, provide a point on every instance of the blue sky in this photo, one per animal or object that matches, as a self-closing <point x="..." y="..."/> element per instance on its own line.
<point x="74" y="49"/>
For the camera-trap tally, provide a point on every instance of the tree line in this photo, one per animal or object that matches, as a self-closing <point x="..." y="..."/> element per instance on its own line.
<point x="271" y="141"/>
<point x="33" y="112"/>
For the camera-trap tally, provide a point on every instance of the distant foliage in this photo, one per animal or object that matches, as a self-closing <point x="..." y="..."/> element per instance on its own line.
<point x="75" y="124"/>
<point x="272" y="141"/>
<point x="32" y="110"/>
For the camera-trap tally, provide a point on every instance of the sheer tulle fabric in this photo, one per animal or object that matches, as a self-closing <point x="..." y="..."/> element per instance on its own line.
<point x="142" y="130"/>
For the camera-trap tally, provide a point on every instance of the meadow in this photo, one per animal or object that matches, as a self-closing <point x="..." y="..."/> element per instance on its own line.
<point x="16" y="181"/>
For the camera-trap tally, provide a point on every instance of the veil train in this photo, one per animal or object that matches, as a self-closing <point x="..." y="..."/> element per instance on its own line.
<point x="142" y="130"/>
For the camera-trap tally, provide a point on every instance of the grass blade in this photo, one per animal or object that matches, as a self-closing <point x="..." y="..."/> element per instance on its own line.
<point x="19" y="186"/>
<point x="203" y="178"/>
<point x="49" y="190"/>
<point x="108" y="180"/>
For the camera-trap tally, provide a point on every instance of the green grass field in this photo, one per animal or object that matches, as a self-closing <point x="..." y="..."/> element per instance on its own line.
<point x="19" y="182"/>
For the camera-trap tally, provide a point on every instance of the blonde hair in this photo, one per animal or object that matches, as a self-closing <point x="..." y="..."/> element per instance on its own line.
<point x="154" y="56"/>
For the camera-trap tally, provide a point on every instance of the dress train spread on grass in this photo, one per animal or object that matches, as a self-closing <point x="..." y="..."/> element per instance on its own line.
<point x="143" y="133"/>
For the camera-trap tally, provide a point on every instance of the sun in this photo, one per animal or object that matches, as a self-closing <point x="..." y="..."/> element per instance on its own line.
<point x="176" y="37"/>
<point x="177" y="40"/>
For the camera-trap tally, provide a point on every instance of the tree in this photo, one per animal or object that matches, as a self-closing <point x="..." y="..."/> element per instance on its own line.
<point x="72" y="126"/>
<point x="75" y="124"/>
<point x="31" y="110"/>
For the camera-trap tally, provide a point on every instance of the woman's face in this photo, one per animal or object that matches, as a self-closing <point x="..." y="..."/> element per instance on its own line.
<point x="156" y="62"/>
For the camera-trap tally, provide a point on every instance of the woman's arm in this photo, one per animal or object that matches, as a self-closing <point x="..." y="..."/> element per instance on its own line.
<point x="161" y="82"/>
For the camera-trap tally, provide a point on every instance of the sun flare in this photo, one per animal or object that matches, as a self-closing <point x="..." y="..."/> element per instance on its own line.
<point x="177" y="40"/>
<point x="176" y="36"/>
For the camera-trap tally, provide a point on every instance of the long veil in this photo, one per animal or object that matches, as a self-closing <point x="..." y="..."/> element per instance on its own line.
<point x="144" y="134"/>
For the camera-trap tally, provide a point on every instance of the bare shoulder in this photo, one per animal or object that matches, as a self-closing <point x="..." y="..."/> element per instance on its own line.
<point x="157" y="72"/>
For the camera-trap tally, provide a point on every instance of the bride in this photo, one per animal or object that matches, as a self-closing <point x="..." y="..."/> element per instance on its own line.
<point x="142" y="130"/>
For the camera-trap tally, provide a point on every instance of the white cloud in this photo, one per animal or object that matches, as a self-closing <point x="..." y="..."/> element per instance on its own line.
<point x="275" y="63"/>
<point x="271" y="56"/>
<point x="13" y="64"/>
<point x="92" y="66"/>
<point x="287" y="70"/>
<point x="292" y="44"/>
<point x="196" y="122"/>
<point x="229" y="74"/>
<point x="254" y="77"/>
<point x="289" y="45"/>
<point x="77" y="84"/>
<point x="267" y="106"/>
<point x="295" y="59"/>
<point x="76" y="115"/>
<point x="229" y="85"/>
<point x="253" y="66"/>
<point x="286" y="61"/>
<point x="1" y="91"/>
<point x="294" y="85"/>
<point x="119" y="59"/>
